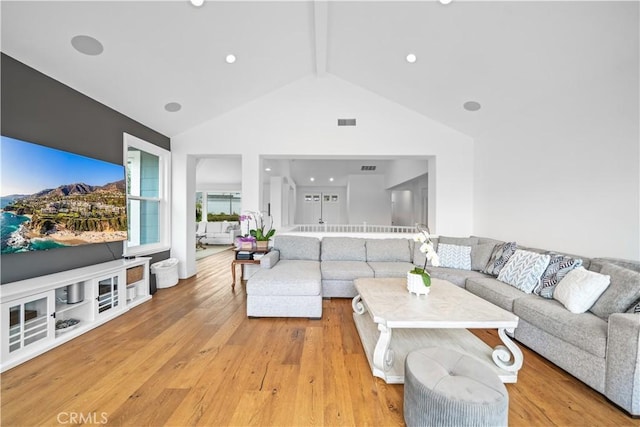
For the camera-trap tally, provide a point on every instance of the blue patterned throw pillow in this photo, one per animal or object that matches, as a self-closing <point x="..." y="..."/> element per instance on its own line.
<point x="454" y="256"/>
<point x="499" y="257"/>
<point x="524" y="269"/>
<point x="635" y="308"/>
<point x="558" y="267"/>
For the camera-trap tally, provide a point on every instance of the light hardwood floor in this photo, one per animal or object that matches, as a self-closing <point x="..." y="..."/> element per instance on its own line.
<point x="191" y="357"/>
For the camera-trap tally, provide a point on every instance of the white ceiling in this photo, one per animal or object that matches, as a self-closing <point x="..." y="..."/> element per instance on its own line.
<point x="512" y="57"/>
<point x="507" y="55"/>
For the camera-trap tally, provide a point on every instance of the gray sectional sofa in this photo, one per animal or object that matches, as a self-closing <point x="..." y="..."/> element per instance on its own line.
<point x="601" y="347"/>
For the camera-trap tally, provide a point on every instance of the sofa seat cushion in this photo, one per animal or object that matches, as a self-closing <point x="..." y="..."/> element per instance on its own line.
<point x="496" y="292"/>
<point x="287" y="277"/>
<point x="390" y="269"/>
<point x="584" y="330"/>
<point x="218" y="235"/>
<point x="453" y="275"/>
<point x="343" y="249"/>
<point x="345" y="270"/>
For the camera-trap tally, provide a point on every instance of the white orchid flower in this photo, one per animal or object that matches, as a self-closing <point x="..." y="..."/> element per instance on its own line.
<point x="435" y="260"/>
<point x="420" y="237"/>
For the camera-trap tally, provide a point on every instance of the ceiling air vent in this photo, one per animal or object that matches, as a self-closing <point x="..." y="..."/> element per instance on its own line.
<point x="367" y="168"/>
<point x="346" y="122"/>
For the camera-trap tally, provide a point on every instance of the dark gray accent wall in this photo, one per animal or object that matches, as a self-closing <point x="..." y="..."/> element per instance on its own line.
<point x="39" y="109"/>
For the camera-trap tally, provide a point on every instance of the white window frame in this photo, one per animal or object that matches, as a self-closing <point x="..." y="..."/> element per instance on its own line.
<point x="164" y="196"/>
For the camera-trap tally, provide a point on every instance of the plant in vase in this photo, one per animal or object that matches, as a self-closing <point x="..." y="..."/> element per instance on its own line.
<point x="418" y="279"/>
<point x="261" y="232"/>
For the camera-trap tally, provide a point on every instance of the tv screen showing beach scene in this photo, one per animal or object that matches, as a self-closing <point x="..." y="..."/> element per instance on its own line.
<point x="51" y="198"/>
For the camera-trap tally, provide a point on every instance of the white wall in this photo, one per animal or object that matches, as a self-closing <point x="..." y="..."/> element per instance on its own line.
<point x="404" y="170"/>
<point x="566" y="178"/>
<point x="367" y="200"/>
<point x="301" y="119"/>
<point x="332" y="212"/>
<point x="418" y="187"/>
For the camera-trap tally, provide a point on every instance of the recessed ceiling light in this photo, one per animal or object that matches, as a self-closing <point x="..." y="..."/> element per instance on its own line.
<point x="87" y="45"/>
<point x="445" y="1"/>
<point x="172" y="107"/>
<point x="267" y="169"/>
<point x="331" y="179"/>
<point x="231" y="58"/>
<point x="411" y="58"/>
<point x="471" y="106"/>
<point x="312" y="179"/>
<point x="197" y="3"/>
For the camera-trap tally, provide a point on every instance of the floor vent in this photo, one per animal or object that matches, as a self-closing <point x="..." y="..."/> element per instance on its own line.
<point x="367" y="168"/>
<point x="346" y="122"/>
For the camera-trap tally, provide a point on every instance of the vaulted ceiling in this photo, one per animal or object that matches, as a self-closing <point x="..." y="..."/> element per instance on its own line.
<point x="510" y="57"/>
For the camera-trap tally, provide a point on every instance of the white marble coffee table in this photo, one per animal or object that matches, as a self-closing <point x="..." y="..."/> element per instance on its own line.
<point x="398" y="322"/>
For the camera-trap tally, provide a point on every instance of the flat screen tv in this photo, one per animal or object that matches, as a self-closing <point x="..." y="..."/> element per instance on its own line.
<point x="52" y="198"/>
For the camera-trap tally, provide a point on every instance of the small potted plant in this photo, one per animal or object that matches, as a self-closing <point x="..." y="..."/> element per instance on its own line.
<point x="261" y="233"/>
<point x="418" y="279"/>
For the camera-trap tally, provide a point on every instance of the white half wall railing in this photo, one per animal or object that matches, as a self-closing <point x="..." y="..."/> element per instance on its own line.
<point x="351" y="230"/>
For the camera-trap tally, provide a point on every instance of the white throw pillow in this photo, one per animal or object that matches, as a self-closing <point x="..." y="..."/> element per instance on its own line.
<point x="454" y="256"/>
<point x="580" y="289"/>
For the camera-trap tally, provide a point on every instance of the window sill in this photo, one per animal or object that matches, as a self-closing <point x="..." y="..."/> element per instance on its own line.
<point x="146" y="250"/>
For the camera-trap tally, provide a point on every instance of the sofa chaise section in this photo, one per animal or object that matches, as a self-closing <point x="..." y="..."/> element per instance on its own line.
<point x="288" y="282"/>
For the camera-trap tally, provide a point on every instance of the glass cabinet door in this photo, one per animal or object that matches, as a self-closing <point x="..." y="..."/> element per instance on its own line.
<point x="30" y="321"/>
<point x="108" y="295"/>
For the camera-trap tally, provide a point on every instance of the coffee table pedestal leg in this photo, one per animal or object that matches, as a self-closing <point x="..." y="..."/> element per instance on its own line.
<point x="383" y="355"/>
<point x="508" y="356"/>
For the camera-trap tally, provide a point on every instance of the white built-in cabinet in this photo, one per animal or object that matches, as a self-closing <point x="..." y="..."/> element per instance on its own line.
<point x="43" y="312"/>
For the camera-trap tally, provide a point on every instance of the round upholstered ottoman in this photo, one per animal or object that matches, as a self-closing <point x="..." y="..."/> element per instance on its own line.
<point x="443" y="387"/>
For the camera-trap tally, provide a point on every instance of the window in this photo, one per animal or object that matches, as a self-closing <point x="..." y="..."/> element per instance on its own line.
<point x="148" y="196"/>
<point x="224" y="203"/>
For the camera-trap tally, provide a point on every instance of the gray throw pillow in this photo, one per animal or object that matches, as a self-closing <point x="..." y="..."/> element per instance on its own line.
<point x="480" y="255"/>
<point x="623" y="291"/>
<point x="499" y="257"/>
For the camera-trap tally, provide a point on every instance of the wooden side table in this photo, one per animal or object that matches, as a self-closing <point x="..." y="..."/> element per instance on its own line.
<point x="241" y="262"/>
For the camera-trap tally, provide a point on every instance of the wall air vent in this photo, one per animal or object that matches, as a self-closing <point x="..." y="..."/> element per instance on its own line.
<point x="346" y="122"/>
<point x="367" y="168"/>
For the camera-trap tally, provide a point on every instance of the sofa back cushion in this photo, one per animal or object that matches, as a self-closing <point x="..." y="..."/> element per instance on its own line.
<point x="214" y="227"/>
<point x="343" y="249"/>
<point x="459" y="241"/>
<point x="388" y="250"/>
<point x="297" y="247"/>
<point x="622" y="293"/>
<point x="480" y="255"/>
